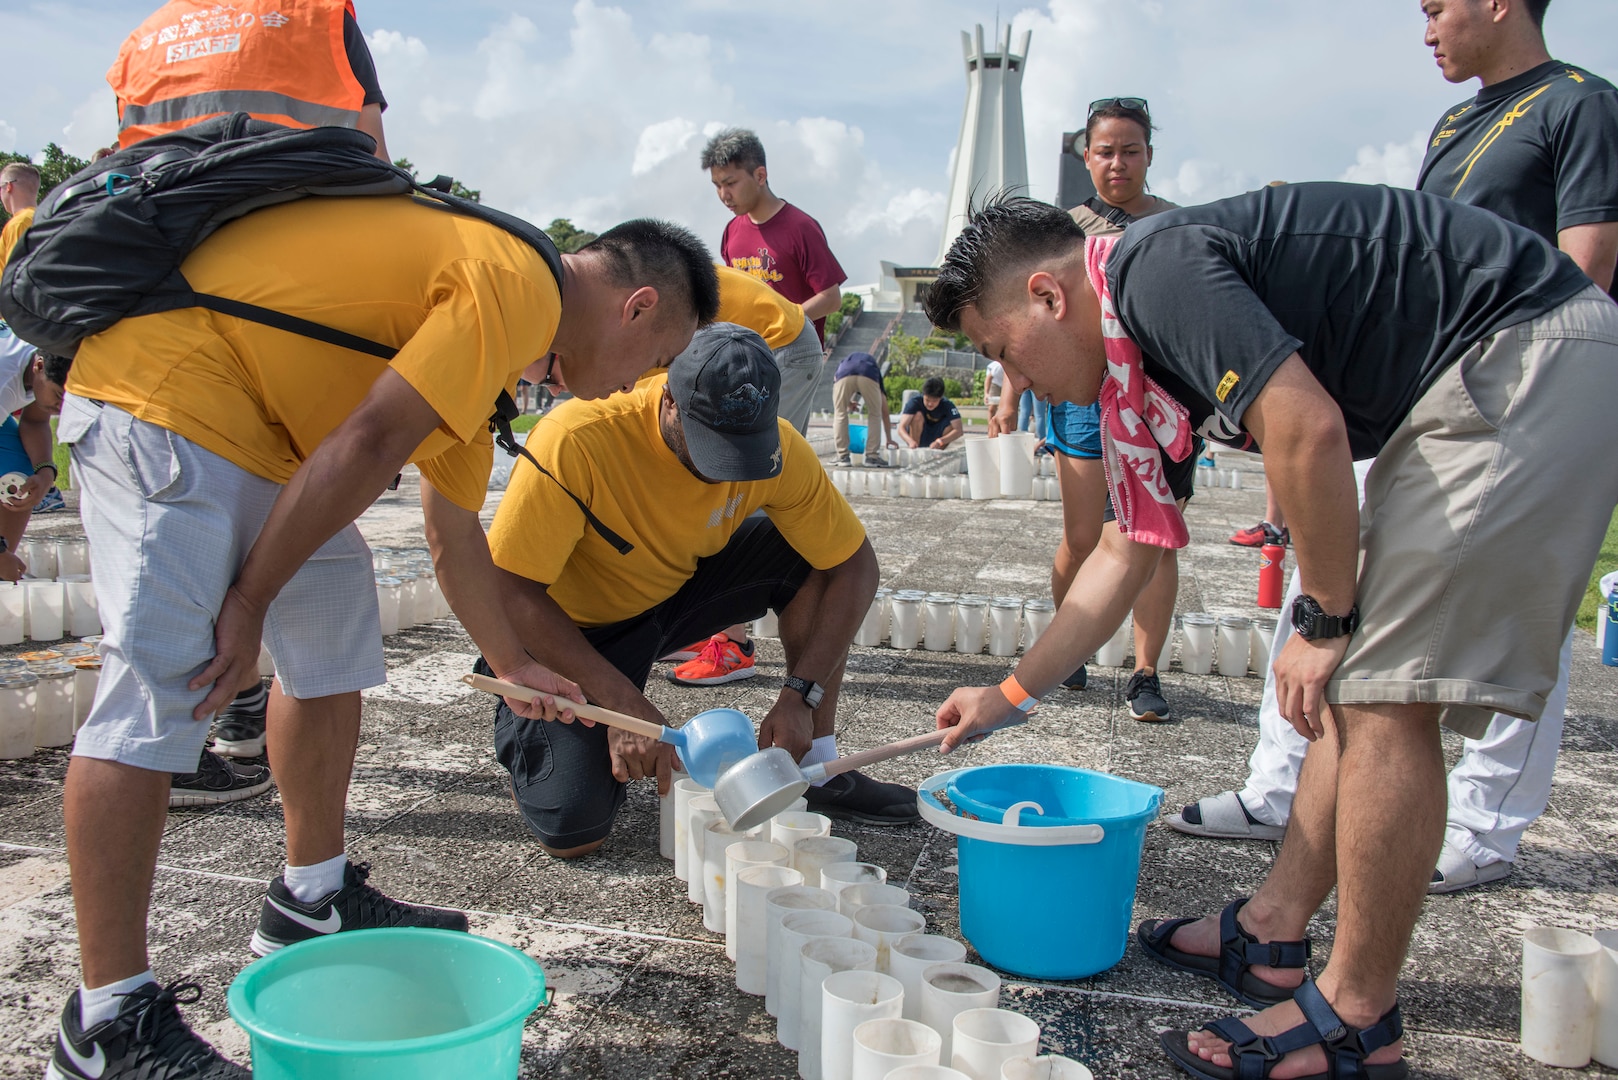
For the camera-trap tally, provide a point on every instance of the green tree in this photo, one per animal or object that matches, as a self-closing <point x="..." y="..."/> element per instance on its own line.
<point x="455" y="186"/>
<point x="903" y="350"/>
<point x="57" y="165"/>
<point x="568" y="236"/>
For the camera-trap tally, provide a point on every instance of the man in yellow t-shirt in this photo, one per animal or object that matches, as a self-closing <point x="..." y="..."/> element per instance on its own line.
<point x="19" y="195"/>
<point x="681" y="467"/>
<point x="222" y="464"/>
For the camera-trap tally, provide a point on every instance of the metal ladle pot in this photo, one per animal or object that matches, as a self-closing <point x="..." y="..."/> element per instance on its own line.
<point x="709" y="743"/>
<point x="763" y="784"/>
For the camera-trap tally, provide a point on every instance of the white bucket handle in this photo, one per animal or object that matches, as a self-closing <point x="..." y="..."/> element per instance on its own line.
<point x="1013" y="814"/>
<point x="996" y="832"/>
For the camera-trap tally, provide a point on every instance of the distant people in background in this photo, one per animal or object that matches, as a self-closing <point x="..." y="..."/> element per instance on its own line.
<point x="994" y="385"/>
<point x="19" y="194"/>
<point x="30" y="387"/>
<point x="930" y="421"/>
<point x="1032" y="411"/>
<point x="779" y="244"/>
<point x="859" y="377"/>
<point x="1272" y="530"/>
<point x="285" y="69"/>
<point x="1118" y="152"/>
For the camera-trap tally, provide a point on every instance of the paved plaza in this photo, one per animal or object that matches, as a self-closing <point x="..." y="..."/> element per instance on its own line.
<point x="644" y="991"/>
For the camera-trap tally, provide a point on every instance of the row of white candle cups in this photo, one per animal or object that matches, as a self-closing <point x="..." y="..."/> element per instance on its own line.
<point x="45" y="697"/>
<point x="1231" y="644"/>
<point x="36" y="609"/>
<point x="55" y="556"/>
<point x="1570" y="996"/>
<point x="945" y="622"/>
<point x="914" y="485"/>
<point x="845" y="965"/>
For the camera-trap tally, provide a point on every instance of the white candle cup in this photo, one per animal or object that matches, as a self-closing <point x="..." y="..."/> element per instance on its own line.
<point x="46" y="603"/>
<point x="18" y="707"/>
<point x="813" y="854"/>
<point x="851" y="899"/>
<point x="41" y="559"/>
<point x="1235" y="645"/>
<point x="905" y="629"/>
<point x="739" y="856"/>
<point x="778" y="904"/>
<point x="716" y="837"/>
<point x="1115" y="649"/>
<point x="839" y="480"/>
<point x="1606" y="995"/>
<point x="1037" y="614"/>
<point x="767" y="625"/>
<point x="1005" y="625"/>
<point x="847" y="1000"/>
<point x="873" y="628"/>
<point x="790" y="826"/>
<point x="971" y="624"/>
<point x="1016" y="464"/>
<point x="702" y="810"/>
<point x="985" y="1038"/>
<point x="910" y="956"/>
<point x="407" y="598"/>
<point x="1258" y="650"/>
<point x="13" y="613"/>
<point x="915" y="486"/>
<point x="86" y="677"/>
<point x="1045" y="1067"/>
<point x="1196" y="643"/>
<point x="821" y="959"/>
<point x="950" y="989"/>
<point x="856" y="482"/>
<point x="665" y="824"/>
<point x="839" y="876"/>
<point x="753" y="886"/>
<point x="884" y="924"/>
<point x="1558" y="1006"/>
<point x="926" y="1072"/>
<point x="53" y="718"/>
<point x="684" y="791"/>
<point x="880" y="1046"/>
<point x="72" y="556"/>
<point x="938" y="621"/>
<point x="388" y="590"/>
<point x="799" y="928"/>
<point x="82" y="618"/>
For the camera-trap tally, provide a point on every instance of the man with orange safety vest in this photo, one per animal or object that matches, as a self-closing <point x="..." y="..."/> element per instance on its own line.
<point x="302" y="63"/>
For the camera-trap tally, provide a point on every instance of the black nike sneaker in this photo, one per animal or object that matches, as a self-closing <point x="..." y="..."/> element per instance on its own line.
<point x="147" y="1040"/>
<point x="238" y="729"/>
<point x="218" y="780"/>
<point x="284" y="920"/>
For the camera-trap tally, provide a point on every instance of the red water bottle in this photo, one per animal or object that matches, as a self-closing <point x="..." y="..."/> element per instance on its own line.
<point x="1273" y="558"/>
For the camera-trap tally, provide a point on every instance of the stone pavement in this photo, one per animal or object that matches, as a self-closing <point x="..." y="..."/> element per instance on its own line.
<point x="644" y="991"/>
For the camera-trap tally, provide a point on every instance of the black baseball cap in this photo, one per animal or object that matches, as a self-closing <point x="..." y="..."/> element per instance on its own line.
<point x="728" y="390"/>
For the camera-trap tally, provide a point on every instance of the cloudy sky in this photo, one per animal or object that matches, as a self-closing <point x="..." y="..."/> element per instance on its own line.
<point x="597" y="110"/>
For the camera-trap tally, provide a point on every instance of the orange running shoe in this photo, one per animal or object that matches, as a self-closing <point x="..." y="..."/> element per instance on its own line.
<point x="721" y="661"/>
<point x="680" y="656"/>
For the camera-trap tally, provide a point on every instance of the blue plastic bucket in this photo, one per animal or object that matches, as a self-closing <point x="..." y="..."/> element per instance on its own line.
<point x="856" y="438"/>
<point x="1048" y="898"/>
<point x="400" y="1004"/>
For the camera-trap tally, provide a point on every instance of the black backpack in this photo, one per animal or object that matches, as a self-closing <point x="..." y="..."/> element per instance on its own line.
<point x="107" y="245"/>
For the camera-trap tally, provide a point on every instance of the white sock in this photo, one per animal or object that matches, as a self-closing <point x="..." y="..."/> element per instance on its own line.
<point x="822" y="750"/>
<point x="102" y="1004"/>
<point x="310" y="883"/>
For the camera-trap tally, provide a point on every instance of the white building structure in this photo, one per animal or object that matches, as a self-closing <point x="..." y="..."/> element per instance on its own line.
<point x="991" y="155"/>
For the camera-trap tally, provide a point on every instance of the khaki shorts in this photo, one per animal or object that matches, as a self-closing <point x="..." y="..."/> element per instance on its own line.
<point x="1482" y="518"/>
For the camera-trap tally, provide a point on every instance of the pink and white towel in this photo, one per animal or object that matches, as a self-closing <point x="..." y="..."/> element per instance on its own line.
<point x="1137" y="417"/>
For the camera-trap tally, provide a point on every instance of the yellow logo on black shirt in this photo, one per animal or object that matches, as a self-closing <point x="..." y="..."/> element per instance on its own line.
<point x="1226" y="385"/>
<point x="1515" y="113"/>
<point x="1574" y="75"/>
<point x="1442" y="135"/>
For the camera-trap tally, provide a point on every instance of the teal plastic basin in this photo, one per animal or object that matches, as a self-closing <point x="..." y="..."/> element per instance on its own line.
<point x="401" y="1004"/>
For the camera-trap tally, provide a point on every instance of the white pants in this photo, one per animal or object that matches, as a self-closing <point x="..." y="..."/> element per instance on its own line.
<point x="1500" y="786"/>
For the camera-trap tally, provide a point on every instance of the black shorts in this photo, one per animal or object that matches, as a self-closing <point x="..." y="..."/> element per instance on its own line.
<point x="1181" y="476"/>
<point x="561" y="773"/>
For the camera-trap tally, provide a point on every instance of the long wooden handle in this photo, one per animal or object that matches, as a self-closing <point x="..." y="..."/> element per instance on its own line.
<point x="902" y="747"/>
<point x="588" y="712"/>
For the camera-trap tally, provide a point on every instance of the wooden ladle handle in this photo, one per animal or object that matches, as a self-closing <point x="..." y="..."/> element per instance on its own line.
<point x="903" y="746"/>
<point x="588" y="712"/>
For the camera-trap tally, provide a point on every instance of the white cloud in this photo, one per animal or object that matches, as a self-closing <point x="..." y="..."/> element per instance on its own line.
<point x="661" y="141"/>
<point x="1396" y="164"/>
<point x="397" y="46"/>
<point x="94" y="124"/>
<point x="1200" y="181"/>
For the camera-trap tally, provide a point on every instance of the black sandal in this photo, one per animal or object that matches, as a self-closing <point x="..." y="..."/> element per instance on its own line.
<point x="1238" y="951"/>
<point x="1254" y="1056"/>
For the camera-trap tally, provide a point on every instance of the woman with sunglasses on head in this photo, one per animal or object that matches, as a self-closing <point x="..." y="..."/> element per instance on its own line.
<point x="1117" y="151"/>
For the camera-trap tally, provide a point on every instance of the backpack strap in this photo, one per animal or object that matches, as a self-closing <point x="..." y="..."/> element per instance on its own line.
<point x="1105" y="209"/>
<point x="505" y="409"/>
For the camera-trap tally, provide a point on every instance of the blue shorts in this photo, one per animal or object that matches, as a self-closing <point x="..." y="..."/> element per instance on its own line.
<point x="1075" y="430"/>
<point x="13" y="458"/>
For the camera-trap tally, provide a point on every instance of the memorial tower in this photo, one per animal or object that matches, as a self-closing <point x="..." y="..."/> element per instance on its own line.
<point x="991" y="155"/>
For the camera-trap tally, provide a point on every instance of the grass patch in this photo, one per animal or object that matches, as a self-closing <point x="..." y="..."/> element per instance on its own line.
<point x="524" y="423"/>
<point x="1606" y="563"/>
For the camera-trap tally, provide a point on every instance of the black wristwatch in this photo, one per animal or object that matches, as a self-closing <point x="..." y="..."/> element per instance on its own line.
<point x="1312" y="623"/>
<point x="812" y="691"/>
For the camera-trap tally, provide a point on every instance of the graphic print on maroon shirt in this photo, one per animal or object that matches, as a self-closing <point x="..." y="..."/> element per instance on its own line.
<point x="789" y="252"/>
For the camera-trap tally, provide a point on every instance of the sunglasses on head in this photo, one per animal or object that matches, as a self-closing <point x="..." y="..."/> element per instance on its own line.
<point x="1122" y="102"/>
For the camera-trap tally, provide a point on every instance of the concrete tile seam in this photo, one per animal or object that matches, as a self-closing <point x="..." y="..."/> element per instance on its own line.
<point x="591" y="928"/>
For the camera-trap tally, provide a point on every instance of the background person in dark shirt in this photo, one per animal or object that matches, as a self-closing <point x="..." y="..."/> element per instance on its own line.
<point x="858" y="375"/>
<point x="931" y="420"/>
<point x="1326" y="322"/>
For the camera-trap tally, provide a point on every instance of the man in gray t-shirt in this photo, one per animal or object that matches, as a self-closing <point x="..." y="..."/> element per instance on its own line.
<point x="1320" y="323"/>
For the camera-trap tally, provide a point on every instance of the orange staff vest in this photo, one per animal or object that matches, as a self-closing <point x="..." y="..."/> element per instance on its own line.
<point x="280" y="60"/>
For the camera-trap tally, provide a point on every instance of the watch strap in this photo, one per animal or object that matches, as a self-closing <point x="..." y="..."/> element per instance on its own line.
<point x="812" y="692"/>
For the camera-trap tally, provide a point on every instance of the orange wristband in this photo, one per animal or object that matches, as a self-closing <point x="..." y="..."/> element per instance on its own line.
<point x="1018" y="697"/>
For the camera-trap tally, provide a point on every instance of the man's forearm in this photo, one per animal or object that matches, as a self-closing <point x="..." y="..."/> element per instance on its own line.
<point x="850" y="585"/>
<point x="36" y="441"/>
<point x="823" y="303"/>
<point x="471" y="582"/>
<point x="951" y="433"/>
<point x="1594" y="247"/>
